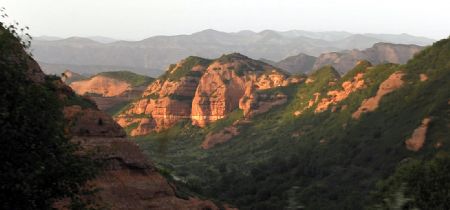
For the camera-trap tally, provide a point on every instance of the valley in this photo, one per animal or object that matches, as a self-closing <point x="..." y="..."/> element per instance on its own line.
<point x="143" y="106"/>
<point x="244" y="132"/>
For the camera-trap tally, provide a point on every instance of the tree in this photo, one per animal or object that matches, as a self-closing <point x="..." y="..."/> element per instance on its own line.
<point x="38" y="164"/>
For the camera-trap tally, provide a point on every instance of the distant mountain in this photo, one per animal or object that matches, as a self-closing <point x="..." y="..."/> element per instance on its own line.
<point x="345" y="60"/>
<point x="150" y="56"/>
<point x="300" y="63"/>
<point x="377" y="54"/>
<point x="102" y="39"/>
<point x="47" y="38"/>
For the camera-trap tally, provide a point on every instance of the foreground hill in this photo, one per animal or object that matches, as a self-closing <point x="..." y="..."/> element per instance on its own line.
<point x="378" y="137"/>
<point x="42" y="169"/>
<point x="150" y="56"/>
<point x="345" y="60"/>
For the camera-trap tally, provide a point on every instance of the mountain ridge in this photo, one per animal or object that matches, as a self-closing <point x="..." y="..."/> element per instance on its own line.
<point x="141" y="57"/>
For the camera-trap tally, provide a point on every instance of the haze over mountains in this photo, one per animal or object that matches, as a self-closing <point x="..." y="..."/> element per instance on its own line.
<point x="151" y="56"/>
<point x="345" y="60"/>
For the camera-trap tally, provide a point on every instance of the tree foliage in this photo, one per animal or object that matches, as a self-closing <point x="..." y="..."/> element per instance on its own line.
<point x="38" y="164"/>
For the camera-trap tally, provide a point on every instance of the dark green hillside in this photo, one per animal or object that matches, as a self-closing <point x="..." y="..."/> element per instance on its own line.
<point x="324" y="160"/>
<point x="185" y="69"/>
<point x="38" y="164"/>
<point x="129" y="77"/>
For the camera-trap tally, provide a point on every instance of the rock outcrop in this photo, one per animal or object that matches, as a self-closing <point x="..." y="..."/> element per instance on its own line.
<point x="224" y="84"/>
<point x="390" y="84"/>
<point x="417" y="140"/>
<point x="127" y="180"/>
<point x="108" y="89"/>
<point x="100" y="85"/>
<point x="204" y="91"/>
<point x="336" y="96"/>
<point x="167" y="100"/>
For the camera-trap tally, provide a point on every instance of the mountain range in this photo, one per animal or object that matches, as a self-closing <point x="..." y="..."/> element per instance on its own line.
<point x="150" y="56"/>
<point x="344" y="61"/>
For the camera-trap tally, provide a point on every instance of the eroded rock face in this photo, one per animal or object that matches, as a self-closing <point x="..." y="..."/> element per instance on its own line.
<point x="91" y="122"/>
<point x="260" y="103"/>
<point x="204" y="93"/>
<point x="100" y="85"/>
<point x="163" y="103"/>
<point x="223" y="88"/>
<point x="392" y="83"/>
<point x="130" y="181"/>
<point x="336" y="96"/>
<point x="417" y="140"/>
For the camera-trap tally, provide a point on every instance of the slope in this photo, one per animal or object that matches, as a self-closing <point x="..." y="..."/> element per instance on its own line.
<point x="313" y="151"/>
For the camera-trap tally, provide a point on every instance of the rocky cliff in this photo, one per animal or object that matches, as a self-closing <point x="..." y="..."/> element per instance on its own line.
<point x="127" y="179"/>
<point x="109" y="90"/>
<point x="201" y="90"/>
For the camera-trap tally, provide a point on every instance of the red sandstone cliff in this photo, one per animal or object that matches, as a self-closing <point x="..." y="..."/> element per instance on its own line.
<point x="128" y="179"/>
<point x="203" y="91"/>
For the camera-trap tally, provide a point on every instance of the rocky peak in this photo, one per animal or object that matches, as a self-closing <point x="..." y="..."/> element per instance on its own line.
<point x="201" y="90"/>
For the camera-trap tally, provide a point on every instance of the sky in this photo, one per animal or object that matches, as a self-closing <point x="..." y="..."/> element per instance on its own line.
<point x="139" y="19"/>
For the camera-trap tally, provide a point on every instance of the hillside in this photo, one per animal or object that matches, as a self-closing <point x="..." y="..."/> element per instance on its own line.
<point x="111" y="91"/>
<point x="344" y="61"/>
<point x="350" y="142"/>
<point x="150" y="56"/>
<point x="61" y="152"/>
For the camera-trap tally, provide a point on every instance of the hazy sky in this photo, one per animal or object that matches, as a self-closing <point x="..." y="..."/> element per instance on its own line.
<point x="138" y="19"/>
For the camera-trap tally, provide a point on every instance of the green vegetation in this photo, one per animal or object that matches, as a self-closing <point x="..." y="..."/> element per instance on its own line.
<point x="132" y="78"/>
<point x="74" y="99"/>
<point x="118" y="108"/>
<point x="325" y="160"/>
<point x="38" y="162"/>
<point x="175" y="74"/>
<point x="422" y="184"/>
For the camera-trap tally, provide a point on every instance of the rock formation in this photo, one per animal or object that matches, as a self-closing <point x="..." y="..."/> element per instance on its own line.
<point x="128" y="180"/>
<point x="205" y="91"/>
<point x="335" y="96"/>
<point x="100" y="85"/>
<point x="390" y="84"/>
<point x="415" y="143"/>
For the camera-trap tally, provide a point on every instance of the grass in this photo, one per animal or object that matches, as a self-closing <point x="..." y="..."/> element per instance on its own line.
<point x="175" y="74"/>
<point x="132" y="78"/>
